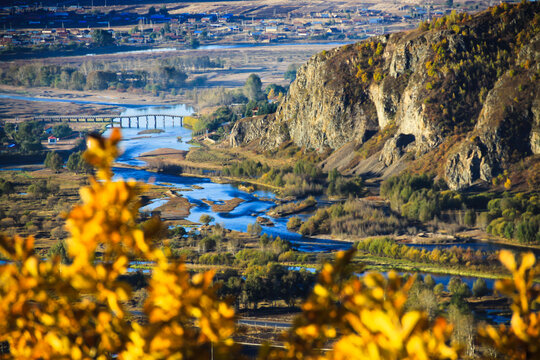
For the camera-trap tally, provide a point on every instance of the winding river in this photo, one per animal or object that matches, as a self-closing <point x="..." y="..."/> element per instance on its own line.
<point x="133" y="145"/>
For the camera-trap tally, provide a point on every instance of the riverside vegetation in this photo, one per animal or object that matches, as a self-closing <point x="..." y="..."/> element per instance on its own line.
<point x="507" y="206"/>
<point x="184" y="314"/>
<point x="445" y="117"/>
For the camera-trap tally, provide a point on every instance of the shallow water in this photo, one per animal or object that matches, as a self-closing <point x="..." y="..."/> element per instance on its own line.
<point x="133" y="145"/>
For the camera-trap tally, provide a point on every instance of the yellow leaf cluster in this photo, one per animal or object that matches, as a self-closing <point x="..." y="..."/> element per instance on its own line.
<point x="366" y="319"/>
<point x="521" y="340"/>
<point x="77" y="311"/>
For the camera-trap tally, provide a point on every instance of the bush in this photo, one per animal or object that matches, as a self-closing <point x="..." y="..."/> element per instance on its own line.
<point x="53" y="161"/>
<point x="254" y="229"/>
<point x="6" y="187"/>
<point x="59" y="249"/>
<point x="207" y="244"/>
<point x="480" y="288"/>
<point x="438" y="289"/>
<point x="206" y="219"/>
<point x="294" y="223"/>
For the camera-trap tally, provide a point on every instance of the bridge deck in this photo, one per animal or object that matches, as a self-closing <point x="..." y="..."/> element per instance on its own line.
<point x="112" y="119"/>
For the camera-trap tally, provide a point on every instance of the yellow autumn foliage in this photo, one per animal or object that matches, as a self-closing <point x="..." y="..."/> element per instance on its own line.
<point x="50" y="310"/>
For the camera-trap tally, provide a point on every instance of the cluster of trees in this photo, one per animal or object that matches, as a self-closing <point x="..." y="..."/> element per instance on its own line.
<point x="293" y="207"/>
<point x="258" y="100"/>
<point x="265" y="283"/>
<point x="61" y="131"/>
<point x="26" y="135"/>
<point x="161" y="75"/>
<point x="77" y="164"/>
<point x="41" y="188"/>
<point x="353" y="217"/>
<point x="246" y="168"/>
<point x="386" y="247"/>
<point x="339" y="185"/>
<point x="516" y="217"/>
<point x="419" y="197"/>
<point x="6" y="187"/>
<point x="304" y="179"/>
<point x="54" y="161"/>
<point x="213" y="247"/>
<point x="222" y="115"/>
<point x="248" y="98"/>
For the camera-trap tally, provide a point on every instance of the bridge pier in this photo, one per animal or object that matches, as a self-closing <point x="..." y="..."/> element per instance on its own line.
<point x="147" y="121"/>
<point x="137" y="122"/>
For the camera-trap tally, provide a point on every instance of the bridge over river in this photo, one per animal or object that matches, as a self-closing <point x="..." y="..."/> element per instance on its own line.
<point x="125" y="121"/>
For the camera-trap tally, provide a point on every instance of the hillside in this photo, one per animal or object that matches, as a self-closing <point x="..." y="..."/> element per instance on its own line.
<point x="457" y="97"/>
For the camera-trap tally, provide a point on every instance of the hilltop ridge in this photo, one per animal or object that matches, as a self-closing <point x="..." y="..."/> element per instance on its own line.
<point x="457" y="97"/>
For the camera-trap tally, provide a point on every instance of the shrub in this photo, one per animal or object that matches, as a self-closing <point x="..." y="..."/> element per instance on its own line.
<point x="60" y="249"/>
<point x="294" y="223"/>
<point x="438" y="289"/>
<point x="79" y="310"/>
<point x="206" y="219"/>
<point x="480" y="288"/>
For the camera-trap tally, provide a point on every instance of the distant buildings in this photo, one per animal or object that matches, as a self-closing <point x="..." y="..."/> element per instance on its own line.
<point x="73" y="25"/>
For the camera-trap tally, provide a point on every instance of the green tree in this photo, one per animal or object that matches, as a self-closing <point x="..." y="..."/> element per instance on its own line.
<point x="53" y="161"/>
<point x="206" y="219"/>
<point x="28" y="131"/>
<point x="76" y="163"/>
<point x="290" y="74"/>
<point x="100" y="80"/>
<point x="254" y="229"/>
<point x="59" y="249"/>
<point x="193" y="43"/>
<point x="61" y="130"/>
<point x="480" y="287"/>
<point x="102" y="37"/>
<point x="253" y="88"/>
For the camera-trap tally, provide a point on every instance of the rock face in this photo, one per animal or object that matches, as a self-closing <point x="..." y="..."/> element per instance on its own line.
<point x="263" y="130"/>
<point x="468" y="76"/>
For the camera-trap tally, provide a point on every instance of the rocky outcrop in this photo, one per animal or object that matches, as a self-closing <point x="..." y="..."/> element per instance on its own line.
<point x="325" y="108"/>
<point x="263" y="130"/>
<point x="395" y="148"/>
<point x="507" y="129"/>
<point x="459" y="78"/>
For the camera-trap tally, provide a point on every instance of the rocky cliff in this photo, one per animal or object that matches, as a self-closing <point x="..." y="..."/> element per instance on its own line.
<point x="471" y="80"/>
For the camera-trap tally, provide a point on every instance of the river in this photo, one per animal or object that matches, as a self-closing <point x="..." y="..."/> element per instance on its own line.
<point x="133" y="145"/>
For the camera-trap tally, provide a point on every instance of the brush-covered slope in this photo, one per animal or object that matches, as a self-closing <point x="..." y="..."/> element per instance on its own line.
<point x="461" y="91"/>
